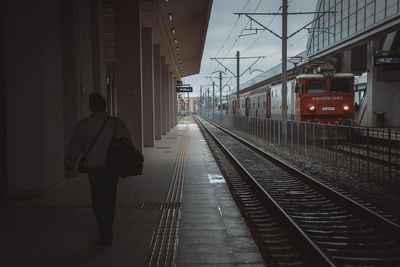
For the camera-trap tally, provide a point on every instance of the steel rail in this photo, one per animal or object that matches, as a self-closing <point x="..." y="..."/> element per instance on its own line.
<point x="374" y="218"/>
<point x="314" y="253"/>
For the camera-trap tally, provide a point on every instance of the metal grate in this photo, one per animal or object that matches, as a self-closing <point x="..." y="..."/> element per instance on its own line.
<point x="150" y="205"/>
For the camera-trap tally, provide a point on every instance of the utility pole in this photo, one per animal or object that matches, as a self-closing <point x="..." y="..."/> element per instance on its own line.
<point x="284" y="71"/>
<point x="220" y="77"/>
<point x="208" y="102"/>
<point x="220" y="91"/>
<point x="238" y="74"/>
<point x="237" y="82"/>
<point x="284" y="39"/>
<point x="201" y="97"/>
<point x="213" y="99"/>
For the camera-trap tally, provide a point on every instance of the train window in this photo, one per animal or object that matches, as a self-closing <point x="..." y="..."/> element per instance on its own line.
<point x="340" y="86"/>
<point x="298" y="88"/>
<point x="315" y="87"/>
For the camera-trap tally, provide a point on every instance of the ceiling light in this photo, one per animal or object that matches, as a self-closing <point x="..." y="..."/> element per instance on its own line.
<point x="170" y="16"/>
<point x="176" y="41"/>
<point x="179" y="55"/>
<point x="173" y="30"/>
<point x="177" y="48"/>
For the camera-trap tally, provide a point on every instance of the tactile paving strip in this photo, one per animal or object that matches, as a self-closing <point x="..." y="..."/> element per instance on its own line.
<point x="164" y="242"/>
<point x="150" y="205"/>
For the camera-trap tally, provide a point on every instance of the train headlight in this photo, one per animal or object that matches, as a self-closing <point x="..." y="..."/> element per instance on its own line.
<point x="311" y="108"/>
<point x="346" y="107"/>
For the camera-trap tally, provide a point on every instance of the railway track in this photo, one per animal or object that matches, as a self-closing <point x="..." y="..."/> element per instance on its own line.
<point x="317" y="225"/>
<point x="372" y="154"/>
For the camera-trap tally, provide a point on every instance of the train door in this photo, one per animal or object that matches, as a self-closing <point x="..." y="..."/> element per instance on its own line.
<point x="234" y="107"/>
<point x="247" y="104"/>
<point x="292" y="100"/>
<point x="268" y="104"/>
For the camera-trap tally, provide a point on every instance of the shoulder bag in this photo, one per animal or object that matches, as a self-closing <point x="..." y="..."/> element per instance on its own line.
<point x="123" y="159"/>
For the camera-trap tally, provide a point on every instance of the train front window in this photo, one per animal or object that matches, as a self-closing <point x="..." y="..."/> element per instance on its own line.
<point x="315" y="87"/>
<point x="340" y="86"/>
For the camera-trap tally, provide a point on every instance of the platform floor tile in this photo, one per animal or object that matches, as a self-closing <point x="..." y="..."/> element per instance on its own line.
<point x="212" y="231"/>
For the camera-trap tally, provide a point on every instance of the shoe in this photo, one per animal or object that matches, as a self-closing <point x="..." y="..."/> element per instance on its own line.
<point x="104" y="243"/>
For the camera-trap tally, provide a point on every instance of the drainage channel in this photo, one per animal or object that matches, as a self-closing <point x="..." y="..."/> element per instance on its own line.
<point x="164" y="241"/>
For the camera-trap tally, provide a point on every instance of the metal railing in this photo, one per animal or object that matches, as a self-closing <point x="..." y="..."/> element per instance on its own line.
<point x="370" y="153"/>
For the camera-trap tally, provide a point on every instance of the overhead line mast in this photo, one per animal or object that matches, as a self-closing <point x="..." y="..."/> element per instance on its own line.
<point x="220" y="85"/>
<point x="284" y="38"/>
<point x="238" y="74"/>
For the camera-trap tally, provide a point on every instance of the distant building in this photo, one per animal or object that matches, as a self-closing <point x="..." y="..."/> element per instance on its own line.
<point x="194" y="103"/>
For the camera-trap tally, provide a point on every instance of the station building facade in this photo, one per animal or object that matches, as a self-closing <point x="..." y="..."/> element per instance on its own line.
<point x="54" y="53"/>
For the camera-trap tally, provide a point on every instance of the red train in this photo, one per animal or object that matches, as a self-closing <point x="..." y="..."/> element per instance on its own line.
<point x="323" y="97"/>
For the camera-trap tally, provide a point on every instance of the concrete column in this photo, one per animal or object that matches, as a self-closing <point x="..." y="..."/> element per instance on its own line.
<point x="83" y="32"/>
<point x="33" y="94"/>
<point x="382" y="96"/>
<point x="346" y="61"/>
<point x="128" y="68"/>
<point x="148" y="87"/>
<point x="83" y="61"/>
<point x="99" y="64"/>
<point x="163" y="83"/>
<point x="3" y="122"/>
<point x="167" y="97"/>
<point x="157" y="92"/>
<point x="171" y="101"/>
<point x="174" y="103"/>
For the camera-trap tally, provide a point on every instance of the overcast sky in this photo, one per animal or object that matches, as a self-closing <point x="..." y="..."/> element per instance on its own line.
<point x="223" y="38"/>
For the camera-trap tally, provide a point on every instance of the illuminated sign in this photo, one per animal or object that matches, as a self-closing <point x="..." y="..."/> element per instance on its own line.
<point x="386" y="60"/>
<point x="184" y="88"/>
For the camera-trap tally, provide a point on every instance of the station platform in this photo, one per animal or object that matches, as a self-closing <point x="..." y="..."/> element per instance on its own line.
<point x="180" y="176"/>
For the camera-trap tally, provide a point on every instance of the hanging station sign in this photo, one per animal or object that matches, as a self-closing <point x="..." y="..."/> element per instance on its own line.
<point x="184" y="88"/>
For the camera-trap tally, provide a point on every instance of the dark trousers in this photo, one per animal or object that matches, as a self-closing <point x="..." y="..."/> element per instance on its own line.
<point x="104" y="194"/>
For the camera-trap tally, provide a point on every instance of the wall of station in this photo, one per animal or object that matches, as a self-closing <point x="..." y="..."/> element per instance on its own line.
<point x="350" y="18"/>
<point x="382" y="95"/>
<point x="51" y="58"/>
<point x="32" y="57"/>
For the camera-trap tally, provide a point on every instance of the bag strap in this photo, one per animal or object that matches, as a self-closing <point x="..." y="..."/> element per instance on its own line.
<point x="95" y="138"/>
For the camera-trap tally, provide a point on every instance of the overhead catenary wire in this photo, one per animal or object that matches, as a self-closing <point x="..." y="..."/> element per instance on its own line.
<point x="237" y="38"/>
<point x="229" y="35"/>
<point x="240" y="30"/>
<point x="262" y="33"/>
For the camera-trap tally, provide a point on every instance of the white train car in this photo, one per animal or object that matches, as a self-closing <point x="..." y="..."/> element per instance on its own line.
<point x="276" y="100"/>
<point x="258" y="102"/>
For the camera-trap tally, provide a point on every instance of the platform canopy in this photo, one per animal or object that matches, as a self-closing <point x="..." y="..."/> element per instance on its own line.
<point x="178" y="26"/>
